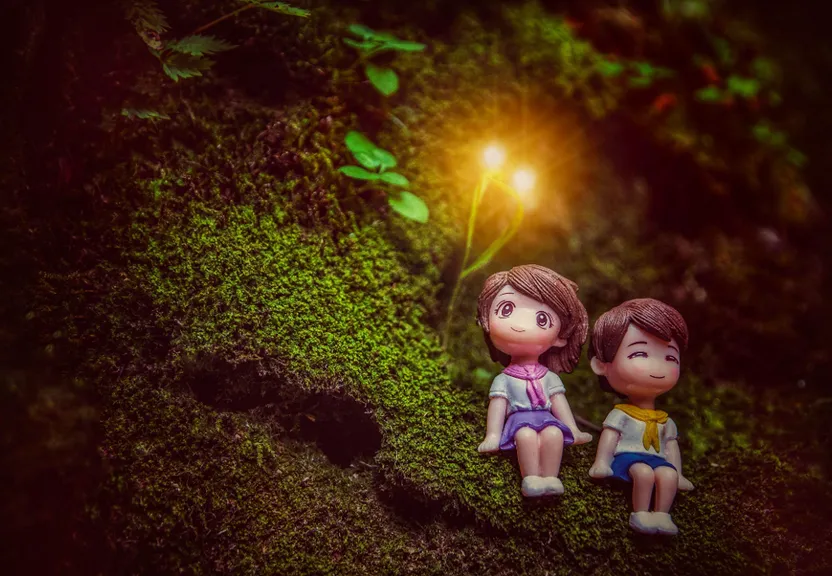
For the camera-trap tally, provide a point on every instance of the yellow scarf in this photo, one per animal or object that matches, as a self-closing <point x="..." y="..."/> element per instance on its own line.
<point x="652" y="419"/>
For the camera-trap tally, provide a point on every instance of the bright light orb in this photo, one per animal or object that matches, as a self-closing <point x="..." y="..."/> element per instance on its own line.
<point x="523" y="182"/>
<point x="494" y="157"/>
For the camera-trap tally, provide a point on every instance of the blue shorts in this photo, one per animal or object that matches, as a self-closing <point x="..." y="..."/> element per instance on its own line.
<point x="621" y="464"/>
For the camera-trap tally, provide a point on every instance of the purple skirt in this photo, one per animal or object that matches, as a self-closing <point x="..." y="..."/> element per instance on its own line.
<point x="537" y="420"/>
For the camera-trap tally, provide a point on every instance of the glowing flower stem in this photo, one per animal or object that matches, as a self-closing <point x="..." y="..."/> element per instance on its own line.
<point x="497" y="245"/>
<point x="472" y="219"/>
<point x="489" y="252"/>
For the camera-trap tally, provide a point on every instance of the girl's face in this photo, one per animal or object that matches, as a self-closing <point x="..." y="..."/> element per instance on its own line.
<point x="521" y="326"/>
<point x="644" y="366"/>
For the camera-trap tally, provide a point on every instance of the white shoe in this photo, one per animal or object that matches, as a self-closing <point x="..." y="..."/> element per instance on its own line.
<point x="552" y="486"/>
<point x="664" y="524"/>
<point x="533" y="486"/>
<point x="642" y="522"/>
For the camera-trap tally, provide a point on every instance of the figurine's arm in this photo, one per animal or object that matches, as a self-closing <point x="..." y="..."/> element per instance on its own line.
<point x="497" y="407"/>
<point x="674" y="456"/>
<point x="604" y="454"/>
<point x="562" y="411"/>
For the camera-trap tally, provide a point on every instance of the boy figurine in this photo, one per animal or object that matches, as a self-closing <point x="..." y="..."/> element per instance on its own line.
<point x="635" y="351"/>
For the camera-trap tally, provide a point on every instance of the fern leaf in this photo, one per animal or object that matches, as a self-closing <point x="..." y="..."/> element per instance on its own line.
<point x="146" y="15"/>
<point x="282" y="8"/>
<point x="144" y="114"/>
<point x="178" y="66"/>
<point x="199" y="45"/>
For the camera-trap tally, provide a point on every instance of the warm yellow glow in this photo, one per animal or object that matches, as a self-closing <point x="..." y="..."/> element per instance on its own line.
<point x="494" y="157"/>
<point x="523" y="182"/>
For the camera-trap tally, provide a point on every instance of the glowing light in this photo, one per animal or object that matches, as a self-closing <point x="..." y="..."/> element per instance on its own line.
<point x="494" y="157"/>
<point x="523" y="182"/>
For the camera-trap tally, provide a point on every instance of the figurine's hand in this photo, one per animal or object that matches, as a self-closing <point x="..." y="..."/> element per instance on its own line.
<point x="581" y="437"/>
<point x="599" y="470"/>
<point x="490" y="444"/>
<point x="685" y="485"/>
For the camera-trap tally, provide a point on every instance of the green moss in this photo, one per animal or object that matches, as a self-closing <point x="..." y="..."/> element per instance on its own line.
<point x="346" y="316"/>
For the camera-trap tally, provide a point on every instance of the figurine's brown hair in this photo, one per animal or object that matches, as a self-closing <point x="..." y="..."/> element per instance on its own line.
<point x="650" y="315"/>
<point x="557" y="292"/>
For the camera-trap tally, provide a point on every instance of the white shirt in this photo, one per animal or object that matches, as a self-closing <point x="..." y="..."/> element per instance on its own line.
<point x="632" y="433"/>
<point x="514" y="390"/>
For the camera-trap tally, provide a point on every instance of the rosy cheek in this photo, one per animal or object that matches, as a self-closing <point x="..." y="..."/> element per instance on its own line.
<point x="637" y="368"/>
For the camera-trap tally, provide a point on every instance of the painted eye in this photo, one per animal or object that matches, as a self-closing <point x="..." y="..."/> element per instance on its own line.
<point x="637" y="355"/>
<point x="543" y="320"/>
<point x="506" y="310"/>
<point x="672" y="359"/>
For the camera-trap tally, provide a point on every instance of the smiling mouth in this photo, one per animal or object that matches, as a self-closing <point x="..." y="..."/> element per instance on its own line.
<point x="516" y="330"/>
<point x="657" y="377"/>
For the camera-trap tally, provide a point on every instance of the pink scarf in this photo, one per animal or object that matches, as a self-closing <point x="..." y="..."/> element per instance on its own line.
<point x="532" y="374"/>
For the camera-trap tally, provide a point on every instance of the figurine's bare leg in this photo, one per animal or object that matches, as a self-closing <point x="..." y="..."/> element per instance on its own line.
<point x="528" y="452"/>
<point x="667" y="480"/>
<point x="551" y="450"/>
<point x="643" y="480"/>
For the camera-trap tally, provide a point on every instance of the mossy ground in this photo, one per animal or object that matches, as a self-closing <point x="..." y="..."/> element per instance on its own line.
<point x="263" y="338"/>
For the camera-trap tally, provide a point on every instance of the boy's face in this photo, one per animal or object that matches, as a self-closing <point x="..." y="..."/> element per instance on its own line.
<point x="521" y="326"/>
<point x="644" y="366"/>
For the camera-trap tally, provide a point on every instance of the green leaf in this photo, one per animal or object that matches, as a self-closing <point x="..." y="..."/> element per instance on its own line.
<point x="185" y="66"/>
<point x="394" y="179"/>
<point x="368" y="160"/>
<point x="640" y="81"/>
<point x="363" y="46"/>
<point x="363" y="32"/>
<point x="764" y="69"/>
<point x="358" y="173"/>
<point x="609" y="68"/>
<point x="403" y="45"/>
<point x="695" y="9"/>
<point x="385" y="159"/>
<point x="410" y="206"/>
<point x="383" y="79"/>
<point x="796" y="157"/>
<point x="198" y="45"/>
<point x="483" y="375"/>
<point x="709" y="94"/>
<point x="145" y="14"/>
<point x="367" y="33"/>
<point x="761" y="132"/>
<point x="644" y="68"/>
<point x="356" y="143"/>
<point x="745" y="87"/>
<point x="778" y="138"/>
<point x="283" y="8"/>
<point x="723" y="51"/>
<point x="144" y="114"/>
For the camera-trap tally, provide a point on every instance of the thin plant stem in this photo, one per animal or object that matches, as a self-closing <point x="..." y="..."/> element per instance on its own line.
<point x="221" y="18"/>
<point x="472" y="219"/>
<point x="495" y="246"/>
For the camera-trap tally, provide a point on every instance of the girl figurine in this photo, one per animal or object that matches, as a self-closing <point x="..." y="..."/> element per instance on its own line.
<point x="635" y="350"/>
<point x="534" y="325"/>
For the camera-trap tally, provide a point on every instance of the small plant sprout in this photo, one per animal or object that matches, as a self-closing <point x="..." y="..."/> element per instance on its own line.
<point x="383" y="79"/>
<point x="521" y="188"/>
<point x="375" y="163"/>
